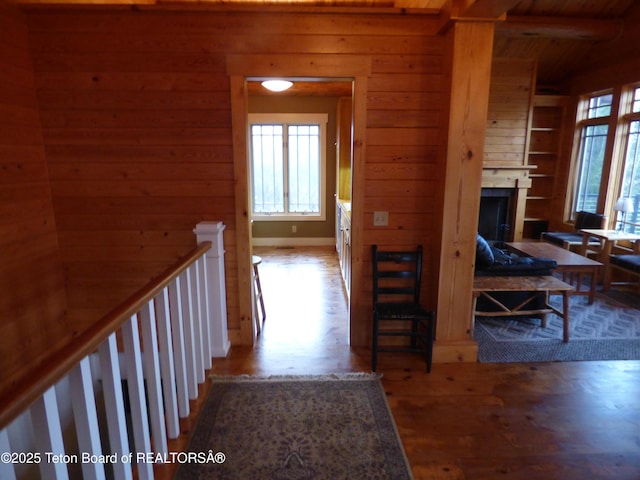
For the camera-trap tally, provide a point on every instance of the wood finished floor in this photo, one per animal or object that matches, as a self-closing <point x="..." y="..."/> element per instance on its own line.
<point x="578" y="420"/>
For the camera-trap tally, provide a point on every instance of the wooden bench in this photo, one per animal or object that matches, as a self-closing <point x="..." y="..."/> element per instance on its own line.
<point x="536" y="285"/>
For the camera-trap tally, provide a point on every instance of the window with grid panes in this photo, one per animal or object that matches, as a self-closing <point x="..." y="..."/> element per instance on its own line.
<point x="630" y="186"/>
<point x="594" y="129"/>
<point x="288" y="166"/>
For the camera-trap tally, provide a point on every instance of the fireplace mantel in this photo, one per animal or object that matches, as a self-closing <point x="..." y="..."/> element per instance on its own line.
<point x="511" y="176"/>
<point x="506" y="176"/>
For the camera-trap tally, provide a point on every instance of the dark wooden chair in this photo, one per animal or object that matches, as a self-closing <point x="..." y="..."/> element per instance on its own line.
<point x="396" y="305"/>
<point x="568" y="240"/>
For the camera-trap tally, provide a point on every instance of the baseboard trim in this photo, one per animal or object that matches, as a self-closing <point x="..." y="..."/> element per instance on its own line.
<point x="455" y="351"/>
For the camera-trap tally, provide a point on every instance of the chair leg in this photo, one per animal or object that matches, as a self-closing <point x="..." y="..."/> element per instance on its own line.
<point x="374" y="346"/>
<point x="429" y="342"/>
<point x="414" y="333"/>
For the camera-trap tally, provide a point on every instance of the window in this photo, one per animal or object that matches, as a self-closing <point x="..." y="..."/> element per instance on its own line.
<point x="288" y="166"/>
<point x="601" y="181"/>
<point x="630" y="187"/>
<point x="593" y="141"/>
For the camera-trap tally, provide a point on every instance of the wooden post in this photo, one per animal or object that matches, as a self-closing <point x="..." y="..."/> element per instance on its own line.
<point x="471" y="44"/>
<point x="216" y="286"/>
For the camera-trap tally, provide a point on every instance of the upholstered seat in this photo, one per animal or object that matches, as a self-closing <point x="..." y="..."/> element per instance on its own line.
<point x="626" y="262"/>
<point x="629" y="263"/>
<point x="571" y="239"/>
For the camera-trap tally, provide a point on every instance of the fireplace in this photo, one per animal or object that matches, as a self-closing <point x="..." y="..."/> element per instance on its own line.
<point x="503" y="199"/>
<point x="495" y="220"/>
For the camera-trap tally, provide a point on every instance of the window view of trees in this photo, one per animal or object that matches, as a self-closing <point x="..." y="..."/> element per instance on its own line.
<point x="593" y="142"/>
<point x="287" y="165"/>
<point x="631" y="179"/>
<point x="592" y="147"/>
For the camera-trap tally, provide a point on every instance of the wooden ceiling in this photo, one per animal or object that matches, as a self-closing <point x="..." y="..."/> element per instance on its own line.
<point x="560" y="34"/>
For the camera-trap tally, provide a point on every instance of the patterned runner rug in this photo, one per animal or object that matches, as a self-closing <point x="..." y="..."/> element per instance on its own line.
<point x="289" y="427"/>
<point x="607" y="330"/>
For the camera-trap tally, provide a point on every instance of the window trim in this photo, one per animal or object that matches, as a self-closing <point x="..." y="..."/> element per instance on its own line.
<point x="285" y="119"/>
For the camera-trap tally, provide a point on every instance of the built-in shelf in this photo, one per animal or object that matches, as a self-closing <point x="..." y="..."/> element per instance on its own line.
<point x="543" y="153"/>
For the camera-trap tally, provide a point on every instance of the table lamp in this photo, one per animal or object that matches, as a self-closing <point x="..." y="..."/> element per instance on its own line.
<point x="624" y="205"/>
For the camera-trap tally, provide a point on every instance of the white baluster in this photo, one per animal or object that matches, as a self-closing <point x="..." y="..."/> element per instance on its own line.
<point x="86" y="419"/>
<point x="166" y="363"/>
<point x="48" y="436"/>
<point x="7" y="472"/>
<point x="186" y="291"/>
<point x="177" y="335"/>
<point x="197" y="322"/>
<point x="114" y="406"/>
<point x="205" y="313"/>
<point x="137" y="400"/>
<point x="152" y="374"/>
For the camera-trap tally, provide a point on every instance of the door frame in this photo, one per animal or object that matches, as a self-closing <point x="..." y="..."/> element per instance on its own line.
<point x="240" y="68"/>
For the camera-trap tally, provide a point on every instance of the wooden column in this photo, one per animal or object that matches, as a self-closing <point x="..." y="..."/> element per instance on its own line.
<point x="470" y="44"/>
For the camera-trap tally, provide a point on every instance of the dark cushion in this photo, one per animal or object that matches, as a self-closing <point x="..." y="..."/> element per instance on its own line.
<point x="524" y="266"/>
<point x="559" y="238"/>
<point x="628" y="262"/>
<point x="589" y="220"/>
<point x="484" y="254"/>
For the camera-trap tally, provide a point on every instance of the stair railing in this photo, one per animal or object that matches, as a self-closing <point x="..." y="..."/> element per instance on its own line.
<point x="156" y="346"/>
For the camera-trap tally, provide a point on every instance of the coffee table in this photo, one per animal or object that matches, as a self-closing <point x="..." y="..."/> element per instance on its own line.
<point x="568" y="263"/>
<point x="535" y="285"/>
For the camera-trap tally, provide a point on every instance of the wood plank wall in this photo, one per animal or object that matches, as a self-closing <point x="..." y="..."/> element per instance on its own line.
<point x="135" y="107"/>
<point x="512" y="85"/>
<point x="32" y="298"/>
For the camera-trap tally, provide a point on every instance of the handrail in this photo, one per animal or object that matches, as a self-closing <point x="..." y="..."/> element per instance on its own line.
<point x="55" y="366"/>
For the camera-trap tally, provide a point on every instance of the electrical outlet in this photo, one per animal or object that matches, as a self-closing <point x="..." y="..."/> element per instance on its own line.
<point x="294" y="229"/>
<point x="380" y="219"/>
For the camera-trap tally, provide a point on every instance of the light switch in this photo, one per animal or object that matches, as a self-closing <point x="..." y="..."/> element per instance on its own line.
<point x="380" y="219"/>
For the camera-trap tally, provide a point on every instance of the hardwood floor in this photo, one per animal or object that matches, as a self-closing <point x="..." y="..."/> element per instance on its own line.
<point x="470" y="421"/>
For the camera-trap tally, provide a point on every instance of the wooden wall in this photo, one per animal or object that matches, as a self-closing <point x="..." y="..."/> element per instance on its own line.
<point x="512" y="85"/>
<point x="135" y="107"/>
<point x="32" y="298"/>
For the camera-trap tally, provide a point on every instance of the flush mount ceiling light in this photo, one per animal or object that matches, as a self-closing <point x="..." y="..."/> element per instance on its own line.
<point x="277" y="85"/>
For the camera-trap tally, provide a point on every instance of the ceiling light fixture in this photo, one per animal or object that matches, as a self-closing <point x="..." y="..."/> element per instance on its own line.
<point x="277" y="85"/>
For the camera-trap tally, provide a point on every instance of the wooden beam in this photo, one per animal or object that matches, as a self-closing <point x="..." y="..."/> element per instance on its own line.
<point x="559" y="27"/>
<point x="485" y="8"/>
<point x="426" y="4"/>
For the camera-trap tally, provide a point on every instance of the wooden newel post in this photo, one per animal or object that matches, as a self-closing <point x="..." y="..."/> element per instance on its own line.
<point x="212" y="232"/>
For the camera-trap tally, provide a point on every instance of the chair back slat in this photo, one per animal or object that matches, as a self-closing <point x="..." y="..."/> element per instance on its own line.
<point x="397" y="311"/>
<point x="397" y="275"/>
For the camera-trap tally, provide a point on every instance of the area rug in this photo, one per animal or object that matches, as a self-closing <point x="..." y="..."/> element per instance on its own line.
<point x="297" y="427"/>
<point x="609" y="329"/>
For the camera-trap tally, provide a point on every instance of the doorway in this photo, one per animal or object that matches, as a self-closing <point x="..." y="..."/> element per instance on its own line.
<point x="242" y="69"/>
<point x="298" y="239"/>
